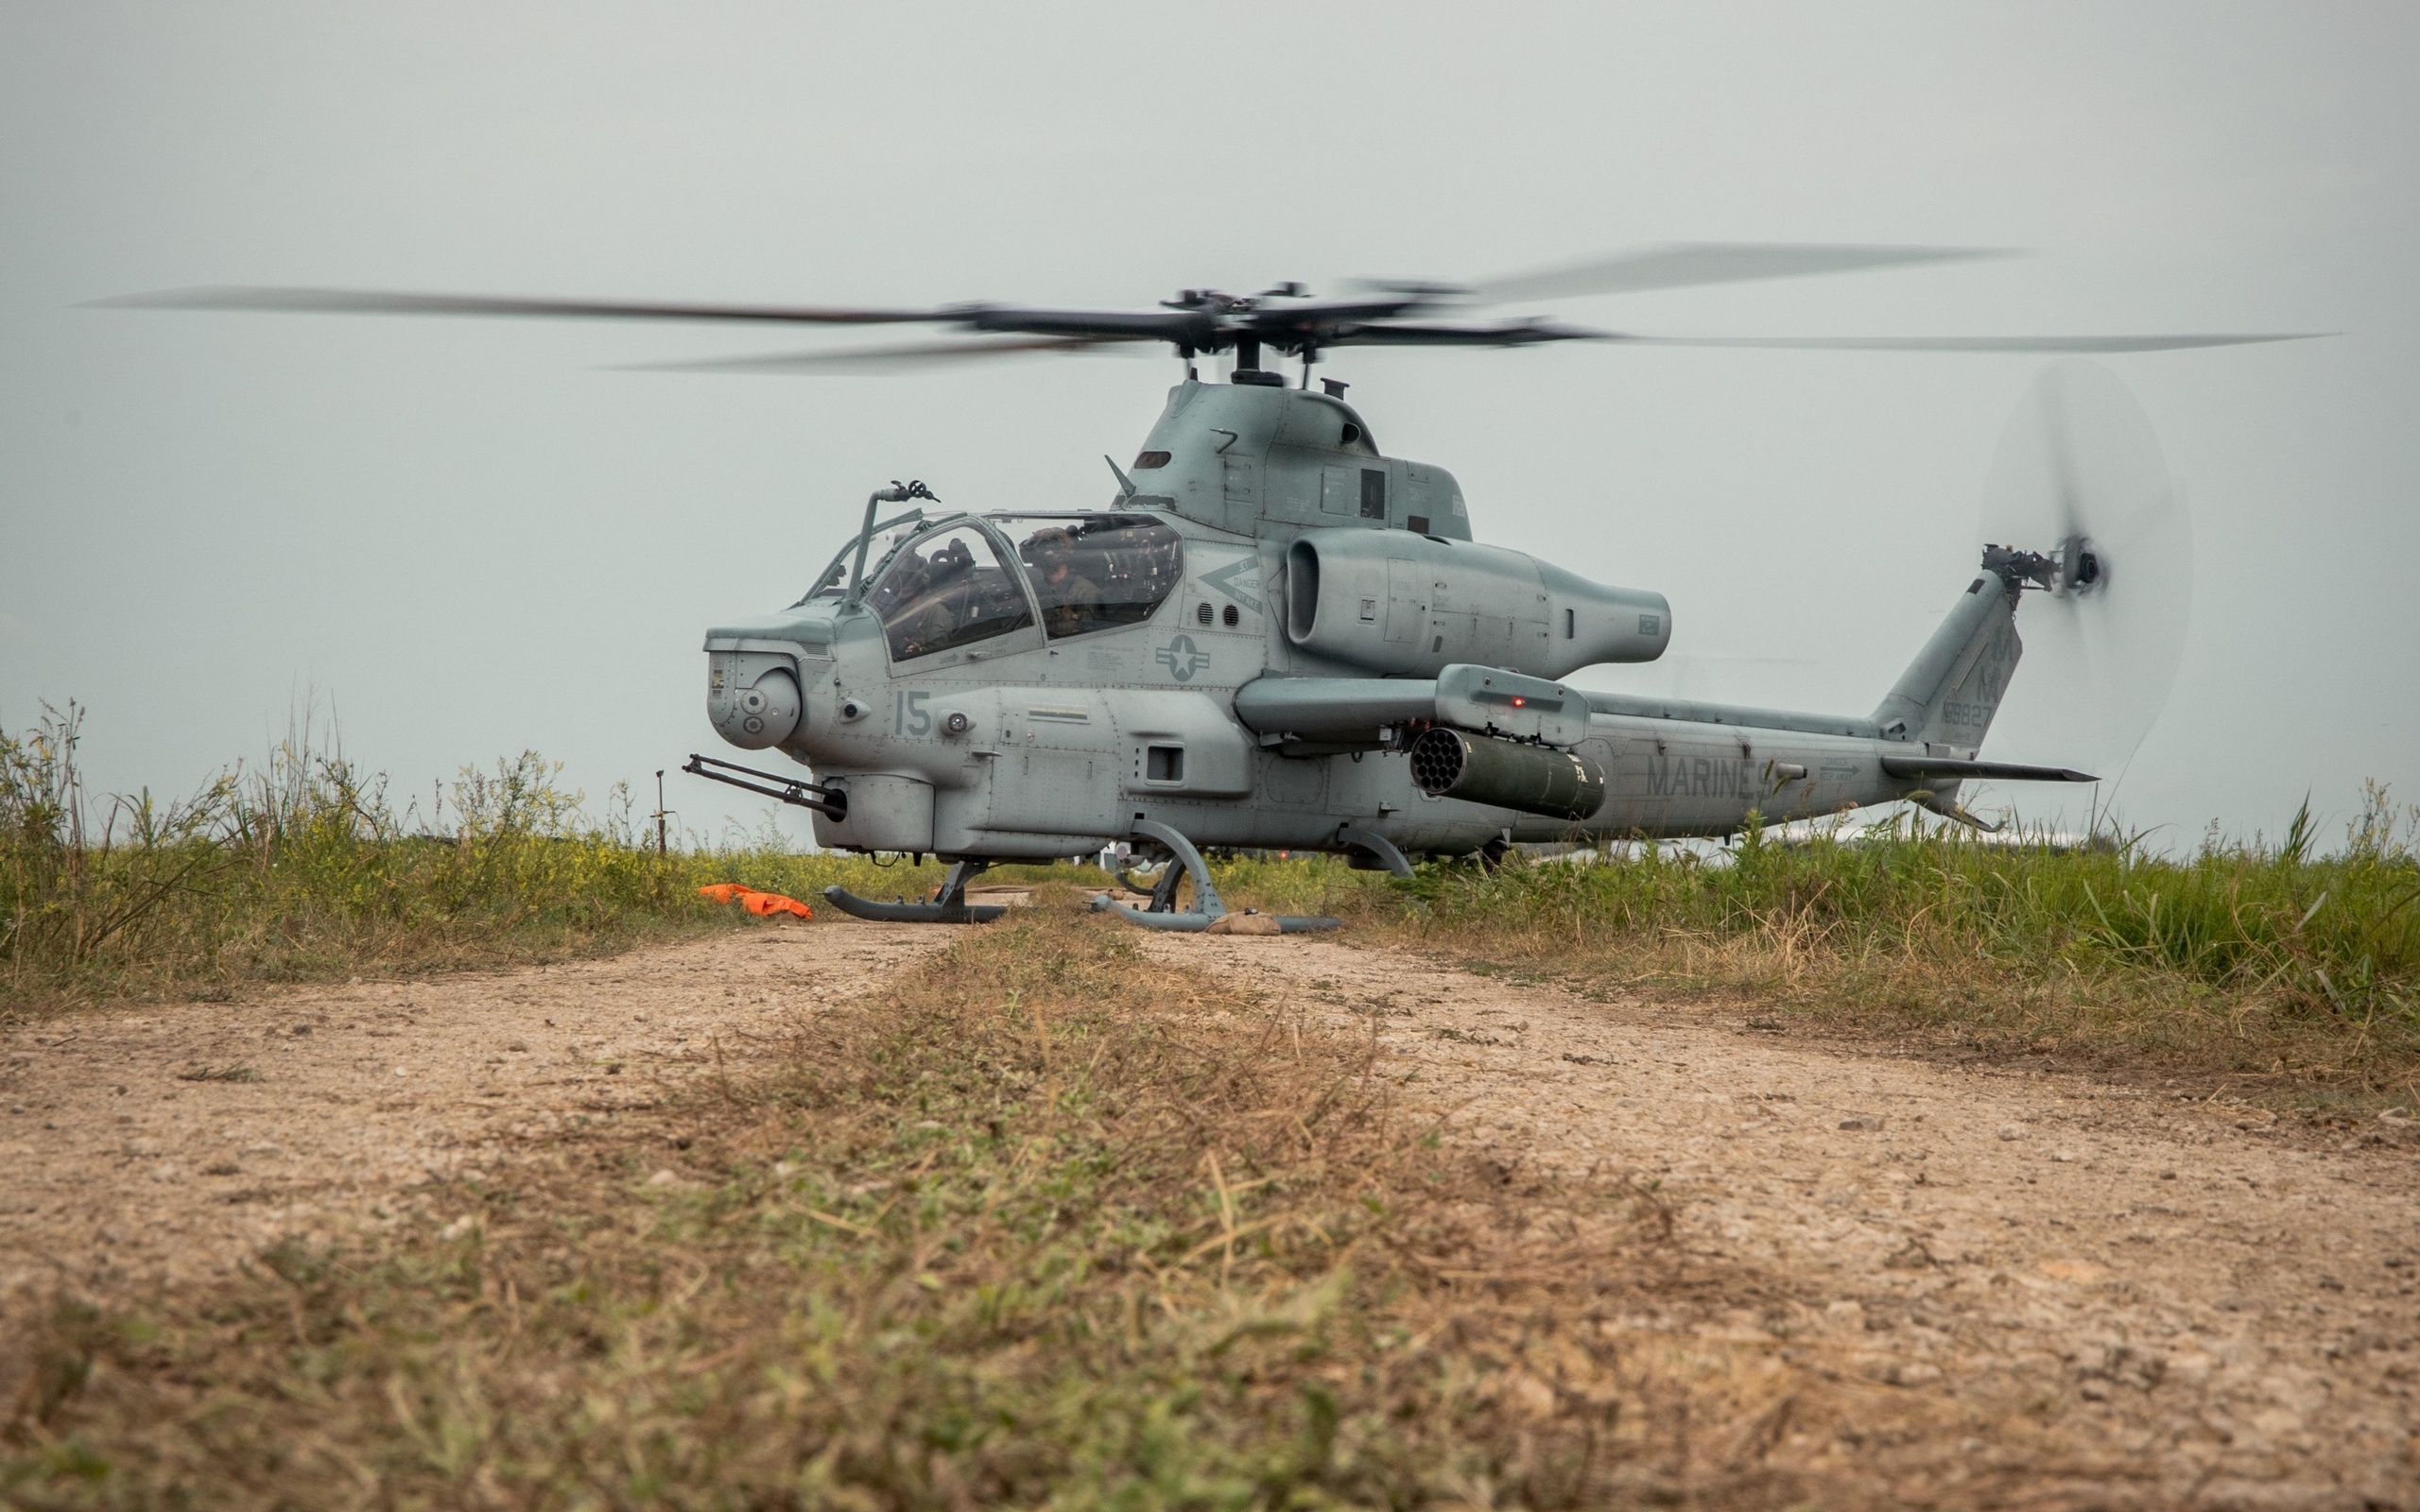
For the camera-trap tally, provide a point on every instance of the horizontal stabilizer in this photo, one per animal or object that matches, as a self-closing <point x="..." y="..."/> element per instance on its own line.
<point x="1950" y="767"/>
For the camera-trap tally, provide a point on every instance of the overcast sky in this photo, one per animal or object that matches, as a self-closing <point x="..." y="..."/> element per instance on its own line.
<point x="477" y="539"/>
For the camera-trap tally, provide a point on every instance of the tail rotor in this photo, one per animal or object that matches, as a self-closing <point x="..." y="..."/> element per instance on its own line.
<point x="2080" y="478"/>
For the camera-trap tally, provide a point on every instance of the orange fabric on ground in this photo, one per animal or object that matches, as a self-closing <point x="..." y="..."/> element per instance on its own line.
<point x="766" y="904"/>
<point x="763" y="905"/>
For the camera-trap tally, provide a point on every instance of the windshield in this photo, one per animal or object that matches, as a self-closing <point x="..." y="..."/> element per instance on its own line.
<point x="1097" y="571"/>
<point x="948" y="589"/>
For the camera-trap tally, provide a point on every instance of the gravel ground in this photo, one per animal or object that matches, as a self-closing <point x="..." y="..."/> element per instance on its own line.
<point x="2085" y="1293"/>
<point x="156" y="1146"/>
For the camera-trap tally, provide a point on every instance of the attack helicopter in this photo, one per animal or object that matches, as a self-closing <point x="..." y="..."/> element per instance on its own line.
<point x="1277" y="635"/>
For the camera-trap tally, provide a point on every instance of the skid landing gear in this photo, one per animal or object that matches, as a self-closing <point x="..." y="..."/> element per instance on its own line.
<point x="949" y="907"/>
<point x="1207" y="906"/>
<point x="1378" y="848"/>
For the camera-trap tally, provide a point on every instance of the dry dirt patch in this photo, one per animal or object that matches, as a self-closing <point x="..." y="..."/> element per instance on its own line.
<point x="2119" y="1296"/>
<point x="164" y="1145"/>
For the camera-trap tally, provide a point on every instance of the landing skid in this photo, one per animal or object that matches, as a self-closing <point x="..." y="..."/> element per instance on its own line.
<point x="1378" y="847"/>
<point x="949" y="907"/>
<point x="1208" y="908"/>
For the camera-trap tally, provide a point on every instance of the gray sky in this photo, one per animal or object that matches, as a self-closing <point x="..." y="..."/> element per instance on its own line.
<point x="477" y="540"/>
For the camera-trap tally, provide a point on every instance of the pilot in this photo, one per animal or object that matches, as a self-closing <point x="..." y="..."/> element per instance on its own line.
<point x="933" y="619"/>
<point x="1070" y="600"/>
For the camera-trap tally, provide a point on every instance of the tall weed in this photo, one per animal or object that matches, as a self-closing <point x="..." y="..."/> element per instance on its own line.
<point x="305" y="865"/>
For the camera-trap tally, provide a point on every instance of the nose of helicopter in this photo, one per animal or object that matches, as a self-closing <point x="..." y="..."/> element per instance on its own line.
<point x="756" y="671"/>
<point x="751" y="701"/>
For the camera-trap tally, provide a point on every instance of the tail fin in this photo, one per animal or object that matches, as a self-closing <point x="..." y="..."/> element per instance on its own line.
<point x="1947" y="698"/>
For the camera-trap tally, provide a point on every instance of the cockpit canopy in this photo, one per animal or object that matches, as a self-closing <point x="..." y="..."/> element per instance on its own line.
<point x="952" y="585"/>
<point x="945" y="588"/>
<point x="1097" y="571"/>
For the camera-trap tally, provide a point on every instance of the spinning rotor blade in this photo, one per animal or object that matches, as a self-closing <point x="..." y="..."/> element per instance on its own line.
<point x="2040" y="344"/>
<point x="374" y="302"/>
<point x="1533" y="333"/>
<point x="1179" y="326"/>
<point x="1205" y="320"/>
<point x="1401" y="334"/>
<point x="881" y="359"/>
<point x="1685" y="264"/>
<point x="1501" y="333"/>
<point x="2080" y="469"/>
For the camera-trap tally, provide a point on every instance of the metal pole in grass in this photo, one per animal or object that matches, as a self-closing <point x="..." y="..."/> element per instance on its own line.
<point x="659" y="851"/>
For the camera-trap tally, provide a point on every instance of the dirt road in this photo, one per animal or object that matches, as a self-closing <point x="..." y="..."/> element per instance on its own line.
<point x="2170" y="1300"/>
<point x="2126" y="1293"/>
<point x="167" y="1142"/>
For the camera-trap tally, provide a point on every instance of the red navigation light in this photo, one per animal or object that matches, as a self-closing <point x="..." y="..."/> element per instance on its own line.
<point x="1518" y="700"/>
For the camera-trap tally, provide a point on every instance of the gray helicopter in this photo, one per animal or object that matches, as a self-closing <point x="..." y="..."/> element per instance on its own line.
<point x="1274" y="635"/>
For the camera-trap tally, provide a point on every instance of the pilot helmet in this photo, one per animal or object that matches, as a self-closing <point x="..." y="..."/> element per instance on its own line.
<point x="1048" y="547"/>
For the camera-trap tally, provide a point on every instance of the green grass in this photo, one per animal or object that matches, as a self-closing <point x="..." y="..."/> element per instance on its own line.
<point x="2252" y="959"/>
<point x="305" y="866"/>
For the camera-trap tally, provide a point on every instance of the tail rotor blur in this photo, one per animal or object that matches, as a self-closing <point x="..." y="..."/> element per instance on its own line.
<point x="2080" y="476"/>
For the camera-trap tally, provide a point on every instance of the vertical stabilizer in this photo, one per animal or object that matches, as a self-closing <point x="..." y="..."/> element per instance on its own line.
<point x="1947" y="698"/>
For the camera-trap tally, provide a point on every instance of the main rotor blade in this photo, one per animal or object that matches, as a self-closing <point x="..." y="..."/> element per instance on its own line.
<point x="1534" y="333"/>
<point x="1685" y="264"/>
<point x="1186" y="327"/>
<point x="1176" y="326"/>
<point x="374" y="302"/>
<point x="1499" y="334"/>
<point x="2037" y="344"/>
<point x="880" y="359"/>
